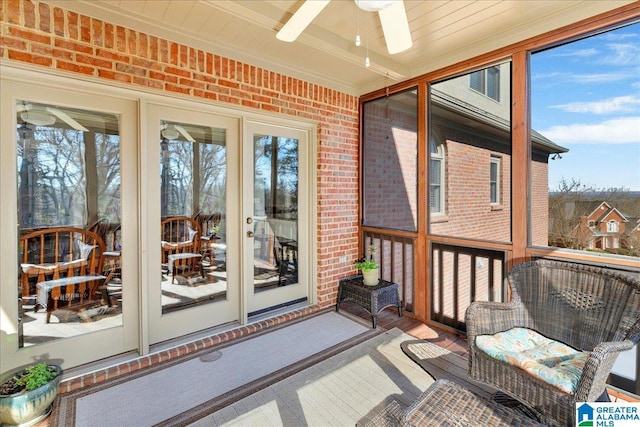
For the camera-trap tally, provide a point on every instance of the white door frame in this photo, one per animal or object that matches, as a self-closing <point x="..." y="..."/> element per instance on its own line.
<point x="178" y="323"/>
<point x="306" y="286"/>
<point x="96" y="345"/>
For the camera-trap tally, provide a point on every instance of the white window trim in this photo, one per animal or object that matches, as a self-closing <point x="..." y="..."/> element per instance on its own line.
<point x="439" y="155"/>
<point x="484" y="83"/>
<point x="498" y="162"/>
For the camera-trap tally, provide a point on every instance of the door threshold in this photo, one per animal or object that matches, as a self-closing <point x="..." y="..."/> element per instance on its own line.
<point x="277" y="310"/>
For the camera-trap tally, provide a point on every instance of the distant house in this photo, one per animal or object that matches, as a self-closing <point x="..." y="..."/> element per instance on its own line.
<point x="592" y="224"/>
<point x="602" y="227"/>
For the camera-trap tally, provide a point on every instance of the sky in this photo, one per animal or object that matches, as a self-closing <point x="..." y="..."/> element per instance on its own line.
<point x="585" y="96"/>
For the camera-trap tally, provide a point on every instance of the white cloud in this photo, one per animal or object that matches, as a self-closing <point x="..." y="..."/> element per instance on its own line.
<point x="622" y="130"/>
<point x="615" y="37"/>
<point x="621" y="54"/>
<point x="606" y="106"/>
<point x="600" y="78"/>
<point x="580" y="53"/>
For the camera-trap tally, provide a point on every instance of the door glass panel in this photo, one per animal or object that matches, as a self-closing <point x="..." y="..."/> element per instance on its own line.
<point x="69" y="210"/>
<point x="275" y="252"/>
<point x="193" y="163"/>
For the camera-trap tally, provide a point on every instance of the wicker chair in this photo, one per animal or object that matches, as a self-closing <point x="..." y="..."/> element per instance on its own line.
<point x="590" y="309"/>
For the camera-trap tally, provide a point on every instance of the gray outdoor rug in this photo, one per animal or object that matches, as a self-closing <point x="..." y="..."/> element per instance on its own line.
<point x="198" y="384"/>
<point x="348" y="389"/>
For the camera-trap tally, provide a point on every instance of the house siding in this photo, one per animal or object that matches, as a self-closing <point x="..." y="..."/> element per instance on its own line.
<point x="75" y="45"/>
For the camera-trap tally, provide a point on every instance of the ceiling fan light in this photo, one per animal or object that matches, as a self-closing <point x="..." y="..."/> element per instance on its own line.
<point x="374" y="5"/>
<point x="170" y="133"/>
<point x="37" y="118"/>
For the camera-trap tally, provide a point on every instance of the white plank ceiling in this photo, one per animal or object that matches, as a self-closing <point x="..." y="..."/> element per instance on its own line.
<point x="444" y="32"/>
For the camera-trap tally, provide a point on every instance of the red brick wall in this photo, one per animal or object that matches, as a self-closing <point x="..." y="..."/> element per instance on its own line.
<point x="468" y="210"/>
<point x="540" y="203"/>
<point x="38" y="34"/>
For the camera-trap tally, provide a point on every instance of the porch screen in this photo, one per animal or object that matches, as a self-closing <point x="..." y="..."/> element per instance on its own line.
<point x="390" y="161"/>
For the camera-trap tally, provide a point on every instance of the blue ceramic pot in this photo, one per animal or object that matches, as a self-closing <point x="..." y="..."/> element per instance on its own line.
<point x="30" y="406"/>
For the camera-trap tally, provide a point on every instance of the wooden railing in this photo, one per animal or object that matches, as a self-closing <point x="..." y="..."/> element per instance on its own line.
<point x="395" y="254"/>
<point x="460" y="275"/>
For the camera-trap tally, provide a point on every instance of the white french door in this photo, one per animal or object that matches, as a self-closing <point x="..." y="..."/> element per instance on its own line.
<point x="276" y="217"/>
<point x="193" y="201"/>
<point x="65" y="155"/>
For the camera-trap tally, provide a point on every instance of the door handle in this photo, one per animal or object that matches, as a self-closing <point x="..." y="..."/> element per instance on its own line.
<point x="249" y="220"/>
<point x="249" y="233"/>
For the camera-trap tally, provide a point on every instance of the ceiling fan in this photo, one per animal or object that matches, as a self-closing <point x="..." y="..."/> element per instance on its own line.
<point x="171" y="132"/>
<point x="46" y="116"/>
<point x="393" y="18"/>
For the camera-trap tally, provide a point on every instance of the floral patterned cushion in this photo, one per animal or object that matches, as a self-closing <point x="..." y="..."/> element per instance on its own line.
<point x="549" y="360"/>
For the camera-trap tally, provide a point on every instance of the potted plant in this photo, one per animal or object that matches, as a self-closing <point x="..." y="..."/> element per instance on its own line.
<point x="369" y="268"/>
<point x="27" y="394"/>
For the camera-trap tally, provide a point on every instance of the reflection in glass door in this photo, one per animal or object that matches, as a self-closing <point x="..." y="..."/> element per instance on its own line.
<point x="275" y="223"/>
<point x="69" y="213"/>
<point x="69" y="287"/>
<point x="275" y="212"/>
<point x="192" y="205"/>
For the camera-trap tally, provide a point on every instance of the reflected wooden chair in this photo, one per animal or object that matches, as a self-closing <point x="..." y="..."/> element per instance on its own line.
<point x="209" y="225"/>
<point x="62" y="264"/>
<point x="110" y="234"/>
<point x="181" y="246"/>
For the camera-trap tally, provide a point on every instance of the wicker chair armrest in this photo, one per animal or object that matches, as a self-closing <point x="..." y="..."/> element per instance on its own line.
<point x="484" y="317"/>
<point x="597" y="369"/>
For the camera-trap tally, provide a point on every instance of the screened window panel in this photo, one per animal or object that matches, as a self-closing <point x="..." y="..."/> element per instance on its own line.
<point x="474" y="133"/>
<point x="390" y="161"/>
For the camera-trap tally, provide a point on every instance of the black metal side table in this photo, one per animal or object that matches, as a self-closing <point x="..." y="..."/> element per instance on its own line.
<point x="372" y="298"/>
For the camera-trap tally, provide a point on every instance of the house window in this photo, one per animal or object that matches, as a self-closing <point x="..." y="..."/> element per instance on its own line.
<point x="612" y="227"/>
<point x="436" y="177"/>
<point x="487" y="82"/>
<point x="494" y="180"/>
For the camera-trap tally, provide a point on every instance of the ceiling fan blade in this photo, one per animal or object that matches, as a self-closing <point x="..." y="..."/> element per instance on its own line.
<point x="301" y="19"/>
<point x="395" y="27"/>
<point x="68" y="120"/>
<point x="184" y="133"/>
